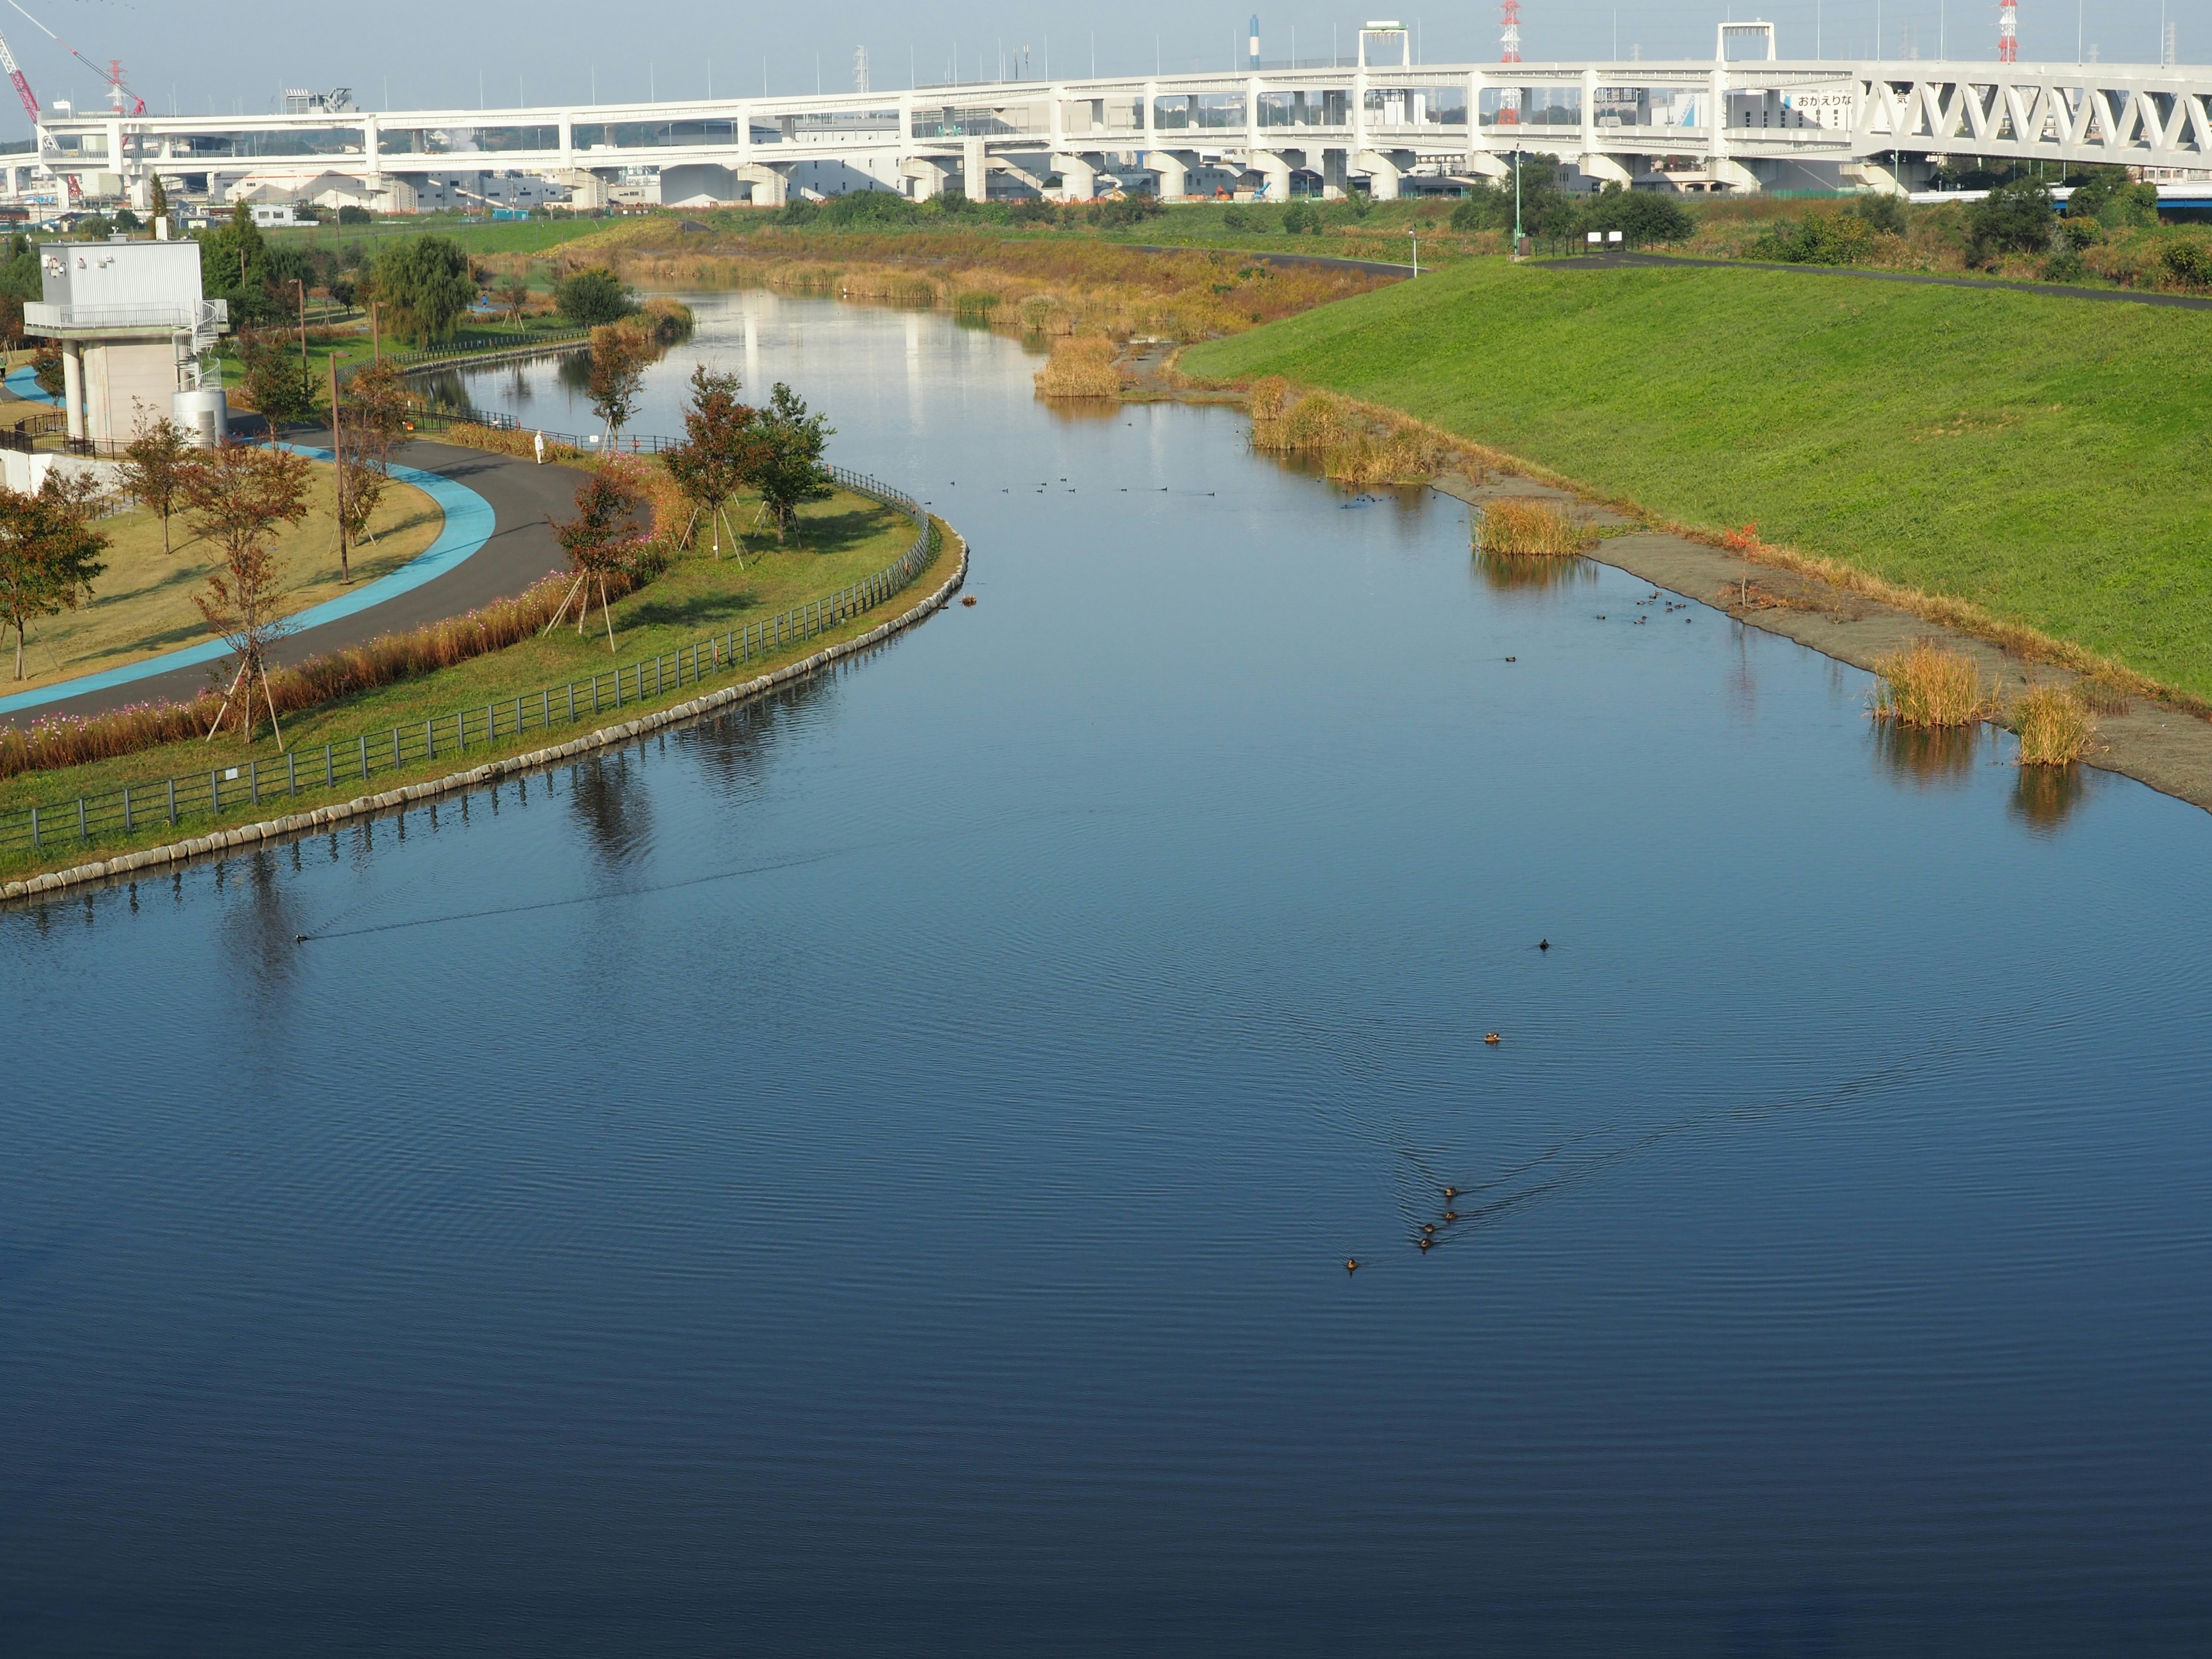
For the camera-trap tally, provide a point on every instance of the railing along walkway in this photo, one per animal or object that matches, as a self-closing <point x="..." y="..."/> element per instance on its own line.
<point x="206" y="796"/>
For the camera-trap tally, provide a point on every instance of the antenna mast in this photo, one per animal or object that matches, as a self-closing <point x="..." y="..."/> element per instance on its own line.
<point x="1509" y="41"/>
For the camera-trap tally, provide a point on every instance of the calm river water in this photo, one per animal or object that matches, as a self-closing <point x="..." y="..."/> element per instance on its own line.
<point x="873" y="1174"/>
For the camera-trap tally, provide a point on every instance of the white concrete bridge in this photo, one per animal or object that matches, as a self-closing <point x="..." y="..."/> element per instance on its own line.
<point x="1733" y="122"/>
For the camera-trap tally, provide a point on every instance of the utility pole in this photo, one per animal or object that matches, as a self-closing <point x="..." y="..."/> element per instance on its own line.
<point x="337" y="458"/>
<point x="302" y="287"/>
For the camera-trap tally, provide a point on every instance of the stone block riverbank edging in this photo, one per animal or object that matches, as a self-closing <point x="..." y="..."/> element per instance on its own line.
<point x="124" y="865"/>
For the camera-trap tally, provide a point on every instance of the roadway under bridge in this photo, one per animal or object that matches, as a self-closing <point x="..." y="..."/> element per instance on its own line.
<point x="1740" y="122"/>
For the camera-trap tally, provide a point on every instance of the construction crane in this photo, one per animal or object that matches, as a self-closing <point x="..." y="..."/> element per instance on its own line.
<point x="22" y="86"/>
<point x="111" y="77"/>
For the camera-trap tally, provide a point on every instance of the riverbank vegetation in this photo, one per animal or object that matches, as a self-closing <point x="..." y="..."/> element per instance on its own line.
<point x="635" y="519"/>
<point x="2110" y="233"/>
<point x="1987" y="458"/>
<point x="1354" y="446"/>
<point x="1081" y="366"/>
<point x="1931" y="687"/>
<point x="1041" y="285"/>
<point x="2054" y="726"/>
<point x="1522" y="526"/>
<point x="844" y="539"/>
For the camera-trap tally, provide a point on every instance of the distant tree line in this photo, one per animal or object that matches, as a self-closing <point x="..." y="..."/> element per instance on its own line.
<point x="1545" y="211"/>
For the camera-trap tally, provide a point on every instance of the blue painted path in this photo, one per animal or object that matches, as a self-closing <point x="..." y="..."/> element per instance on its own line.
<point x="24" y="383"/>
<point x="469" y="522"/>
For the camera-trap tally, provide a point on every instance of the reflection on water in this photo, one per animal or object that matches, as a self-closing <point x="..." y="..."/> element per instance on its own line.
<point x="443" y="388"/>
<point x="1307" y="465"/>
<point x="1940" y="756"/>
<point x="1077" y="410"/>
<point x="2044" y="796"/>
<point x="885" y="1159"/>
<point x="612" y="801"/>
<point x="1506" y="575"/>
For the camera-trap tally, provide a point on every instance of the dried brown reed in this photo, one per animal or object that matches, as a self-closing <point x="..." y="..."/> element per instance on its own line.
<point x="1269" y="399"/>
<point x="1523" y="527"/>
<point x="2054" y="726"/>
<point x="1085" y="287"/>
<point x="1081" y="366"/>
<point x="502" y="440"/>
<point x="66" y="741"/>
<point x="1930" y="685"/>
<point x="1352" y="445"/>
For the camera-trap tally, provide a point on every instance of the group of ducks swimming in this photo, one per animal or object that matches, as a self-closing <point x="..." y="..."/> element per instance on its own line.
<point x="1428" y="1228"/>
<point x="1428" y="1238"/>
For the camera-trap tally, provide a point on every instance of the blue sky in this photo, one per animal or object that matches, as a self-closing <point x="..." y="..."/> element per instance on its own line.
<point x="239" y="54"/>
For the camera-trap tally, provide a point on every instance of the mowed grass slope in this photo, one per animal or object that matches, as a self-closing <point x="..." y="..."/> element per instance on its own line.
<point x="2049" y="459"/>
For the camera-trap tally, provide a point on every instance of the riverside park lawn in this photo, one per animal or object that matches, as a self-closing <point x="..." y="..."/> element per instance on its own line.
<point x="846" y="539"/>
<point x="2042" y="457"/>
<point x="142" y="603"/>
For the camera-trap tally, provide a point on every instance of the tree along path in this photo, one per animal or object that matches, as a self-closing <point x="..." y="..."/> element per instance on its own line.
<point x="494" y="543"/>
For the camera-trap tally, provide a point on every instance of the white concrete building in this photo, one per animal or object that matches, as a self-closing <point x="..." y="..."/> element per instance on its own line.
<point x="132" y="321"/>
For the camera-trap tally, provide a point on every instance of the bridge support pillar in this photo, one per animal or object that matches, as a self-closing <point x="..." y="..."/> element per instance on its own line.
<point x="1275" y="169"/>
<point x="1596" y="165"/>
<point x="1877" y="177"/>
<point x="1382" y="170"/>
<point x="974" y="170"/>
<point x="1173" y="167"/>
<point x="928" y="176"/>
<point x="73" y="387"/>
<point x="1078" y="176"/>
<point x="1731" y="174"/>
<point x="1483" y="165"/>
<point x="770" y="188"/>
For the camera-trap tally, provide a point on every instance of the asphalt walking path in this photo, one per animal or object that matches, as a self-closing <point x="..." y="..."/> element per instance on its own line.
<point x="519" y="548"/>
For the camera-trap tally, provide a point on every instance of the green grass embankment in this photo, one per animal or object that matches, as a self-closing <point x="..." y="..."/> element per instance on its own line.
<point x="847" y="538"/>
<point x="2041" y="459"/>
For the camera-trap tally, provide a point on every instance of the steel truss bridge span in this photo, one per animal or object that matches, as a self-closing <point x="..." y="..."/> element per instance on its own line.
<point x="1744" y="125"/>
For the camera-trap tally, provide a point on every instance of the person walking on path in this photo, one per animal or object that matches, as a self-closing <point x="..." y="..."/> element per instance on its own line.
<point x="540" y="446"/>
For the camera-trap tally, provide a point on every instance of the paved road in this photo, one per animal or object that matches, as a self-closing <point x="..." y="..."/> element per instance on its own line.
<point x="520" y="550"/>
<point x="2124" y="296"/>
<point x="1324" y="261"/>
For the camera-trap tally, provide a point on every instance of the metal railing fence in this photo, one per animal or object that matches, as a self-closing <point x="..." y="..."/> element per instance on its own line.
<point x="626" y="443"/>
<point x="206" y="797"/>
<point x="469" y="345"/>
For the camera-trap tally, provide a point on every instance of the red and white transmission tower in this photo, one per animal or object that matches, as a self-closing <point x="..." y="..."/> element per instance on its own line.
<point x="1509" y="41"/>
<point x="2008" y="30"/>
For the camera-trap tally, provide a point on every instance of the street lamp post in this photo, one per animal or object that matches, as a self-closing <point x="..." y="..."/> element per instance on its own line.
<point x="1516" y="203"/>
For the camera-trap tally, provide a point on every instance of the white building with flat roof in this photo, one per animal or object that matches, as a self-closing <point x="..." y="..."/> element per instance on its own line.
<point x="132" y="322"/>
